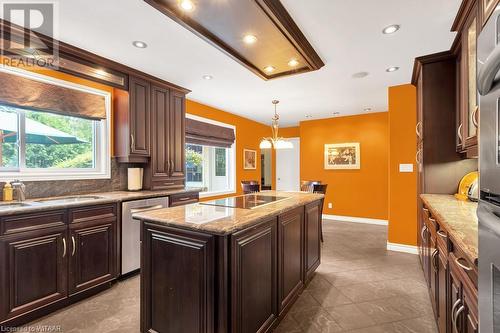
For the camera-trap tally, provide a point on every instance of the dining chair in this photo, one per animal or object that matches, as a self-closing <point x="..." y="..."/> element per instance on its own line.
<point x="321" y="188"/>
<point x="250" y="188"/>
<point x="307" y="185"/>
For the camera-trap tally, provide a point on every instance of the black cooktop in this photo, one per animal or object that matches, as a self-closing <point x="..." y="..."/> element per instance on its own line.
<point x="248" y="201"/>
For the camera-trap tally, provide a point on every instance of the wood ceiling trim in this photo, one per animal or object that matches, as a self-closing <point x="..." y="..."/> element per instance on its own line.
<point x="278" y="15"/>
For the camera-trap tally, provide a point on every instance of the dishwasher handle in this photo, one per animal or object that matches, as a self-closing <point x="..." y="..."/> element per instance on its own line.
<point x="145" y="209"/>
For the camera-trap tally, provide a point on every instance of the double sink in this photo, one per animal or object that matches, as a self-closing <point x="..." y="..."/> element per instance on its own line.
<point x="52" y="201"/>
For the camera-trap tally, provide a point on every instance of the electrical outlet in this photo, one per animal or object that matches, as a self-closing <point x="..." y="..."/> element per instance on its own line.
<point x="330" y="205"/>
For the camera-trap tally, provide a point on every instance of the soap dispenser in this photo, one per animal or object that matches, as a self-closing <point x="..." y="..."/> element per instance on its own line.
<point x="7" y="192"/>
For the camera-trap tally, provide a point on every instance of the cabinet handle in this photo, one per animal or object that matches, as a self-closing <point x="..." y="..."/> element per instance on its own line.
<point x="422" y="232"/>
<point x="441" y="233"/>
<point x="417" y="155"/>
<point x="459" y="134"/>
<point x="74" y="246"/>
<point x="457" y="261"/>
<point x="417" y="129"/>
<point x="171" y="163"/>
<point x="473" y="116"/>
<point x="453" y="319"/>
<point x="64" y="247"/>
<point x="168" y="167"/>
<point x="132" y="143"/>
<point x="184" y="199"/>
<point x="459" y="311"/>
<point x="433" y="259"/>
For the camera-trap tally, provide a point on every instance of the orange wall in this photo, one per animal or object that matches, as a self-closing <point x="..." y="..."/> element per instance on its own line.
<point x="248" y="136"/>
<point x="358" y="193"/>
<point x="289" y="132"/>
<point x="402" y="186"/>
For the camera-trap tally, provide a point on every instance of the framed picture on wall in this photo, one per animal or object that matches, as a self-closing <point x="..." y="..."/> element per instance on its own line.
<point x="342" y="156"/>
<point x="249" y="159"/>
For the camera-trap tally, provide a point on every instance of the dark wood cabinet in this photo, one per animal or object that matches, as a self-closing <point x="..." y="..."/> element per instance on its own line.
<point x="290" y="257"/>
<point x="166" y="169"/>
<point x="132" y="112"/>
<point x="177" y="134"/>
<point x="92" y="254"/>
<point x="50" y="259"/>
<point x="33" y="270"/>
<point x="254" y="267"/>
<point x="179" y="287"/>
<point x="312" y="237"/>
<point x="442" y="285"/>
<point x="434" y="274"/>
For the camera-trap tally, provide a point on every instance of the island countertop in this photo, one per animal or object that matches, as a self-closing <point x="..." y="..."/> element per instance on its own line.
<point x="459" y="218"/>
<point x="219" y="220"/>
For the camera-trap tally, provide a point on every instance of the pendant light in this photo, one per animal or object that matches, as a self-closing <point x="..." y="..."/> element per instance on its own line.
<point x="275" y="141"/>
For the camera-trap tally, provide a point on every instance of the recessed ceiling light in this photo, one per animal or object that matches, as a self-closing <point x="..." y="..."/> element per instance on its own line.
<point x="139" y="44"/>
<point x="360" y="75"/>
<point x="293" y="63"/>
<point x="187" y="5"/>
<point x="392" y="69"/>
<point x="391" y="29"/>
<point x="208" y="77"/>
<point x="367" y="109"/>
<point x="336" y="113"/>
<point x="249" y="39"/>
<point x="308" y="116"/>
<point x="269" y="69"/>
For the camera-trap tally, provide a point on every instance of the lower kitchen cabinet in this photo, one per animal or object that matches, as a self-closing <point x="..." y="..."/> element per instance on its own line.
<point x="254" y="298"/>
<point x="93" y="254"/>
<point x="45" y="260"/>
<point x="451" y="278"/>
<point x="312" y="236"/>
<point x="33" y="270"/>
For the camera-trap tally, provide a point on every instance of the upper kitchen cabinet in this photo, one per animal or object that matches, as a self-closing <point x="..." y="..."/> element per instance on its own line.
<point x="468" y="26"/>
<point x="132" y="122"/>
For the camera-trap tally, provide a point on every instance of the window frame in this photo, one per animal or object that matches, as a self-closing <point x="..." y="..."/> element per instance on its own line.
<point x="231" y="161"/>
<point x="102" y="139"/>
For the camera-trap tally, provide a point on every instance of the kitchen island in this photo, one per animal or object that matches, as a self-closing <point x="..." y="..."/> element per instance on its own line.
<point x="230" y="265"/>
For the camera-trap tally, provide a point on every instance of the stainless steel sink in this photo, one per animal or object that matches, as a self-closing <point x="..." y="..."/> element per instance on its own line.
<point x="11" y="205"/>
<point x="77" y="198"/>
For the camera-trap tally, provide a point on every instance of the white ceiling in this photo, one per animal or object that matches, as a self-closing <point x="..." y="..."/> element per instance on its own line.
<point x="345" y="33"/>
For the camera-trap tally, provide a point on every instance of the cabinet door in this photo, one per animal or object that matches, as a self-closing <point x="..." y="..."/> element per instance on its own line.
<point x="426" y="254"/>
<point x="33" y="270"/>
<point x="460" y="100"/>
<point x="434" y="273"/>
<point x="160" y="121"/>
<point x="454" y="297"/>
<point x="471" y="323"/>
<point x="177" y="278"/>
<point x="290" y="256"/>
<point x="469" y="60"/>
<point x="139" y="116"/>
<point x="312" y="238"/>
<point x="253" y="278"/>
<point x="92" y="254"/>
<point x="442" y="292"/>
<point x="177" y="134"/>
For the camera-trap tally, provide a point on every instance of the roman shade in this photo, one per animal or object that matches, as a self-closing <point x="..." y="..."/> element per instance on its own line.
<point x="201" y="133"/>
<point x="24" y="92"/>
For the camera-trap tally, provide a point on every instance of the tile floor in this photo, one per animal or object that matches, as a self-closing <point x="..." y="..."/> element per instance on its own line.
<point x="359" y="287"/>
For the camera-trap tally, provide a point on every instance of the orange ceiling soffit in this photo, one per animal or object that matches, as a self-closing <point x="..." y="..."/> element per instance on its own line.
<point x="259" y="34"/>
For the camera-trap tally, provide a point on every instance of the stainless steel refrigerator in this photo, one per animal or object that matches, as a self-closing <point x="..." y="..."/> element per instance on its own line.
<point x="488" y="80"/>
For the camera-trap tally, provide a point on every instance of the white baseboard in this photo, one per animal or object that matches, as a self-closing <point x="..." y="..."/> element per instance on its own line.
<point x="402" y="248"/>
<point x="355" y="219"/>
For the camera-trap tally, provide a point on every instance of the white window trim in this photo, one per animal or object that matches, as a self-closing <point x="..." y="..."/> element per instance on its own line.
<point x="232" y="167"/>
<point x="103" y="136"/>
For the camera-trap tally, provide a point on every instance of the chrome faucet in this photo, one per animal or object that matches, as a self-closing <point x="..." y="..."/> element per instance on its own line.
<point x="19" y="190"/>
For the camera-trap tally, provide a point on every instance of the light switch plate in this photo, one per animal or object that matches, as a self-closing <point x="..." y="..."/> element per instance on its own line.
<point x="406" y="167"/>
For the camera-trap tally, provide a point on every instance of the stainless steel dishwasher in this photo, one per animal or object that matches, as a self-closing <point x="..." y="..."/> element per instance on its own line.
<point x="131" y="246"/>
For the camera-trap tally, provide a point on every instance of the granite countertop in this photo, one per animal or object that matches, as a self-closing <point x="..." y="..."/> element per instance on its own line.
<point x="459" y="218"/>
<point x="33" y="205"/>
<point x="225" y="220"/>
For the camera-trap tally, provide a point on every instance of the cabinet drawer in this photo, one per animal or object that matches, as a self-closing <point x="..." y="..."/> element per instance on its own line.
<point x="464" y="264"/>
<point x="442" y="240"/>
<point x="430" y="222"/>
<point x="184" y="199"/>
<point x="166" y="183"/>
<point x="32" y="221"/>
<point x="89" y="213"/>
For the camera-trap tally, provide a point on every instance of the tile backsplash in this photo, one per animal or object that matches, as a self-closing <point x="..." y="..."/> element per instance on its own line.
<point x="50" y="188"/>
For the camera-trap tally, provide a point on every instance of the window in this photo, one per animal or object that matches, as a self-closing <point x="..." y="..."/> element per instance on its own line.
<point x="36" y="145"/>
<point x="209" y="165"/>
